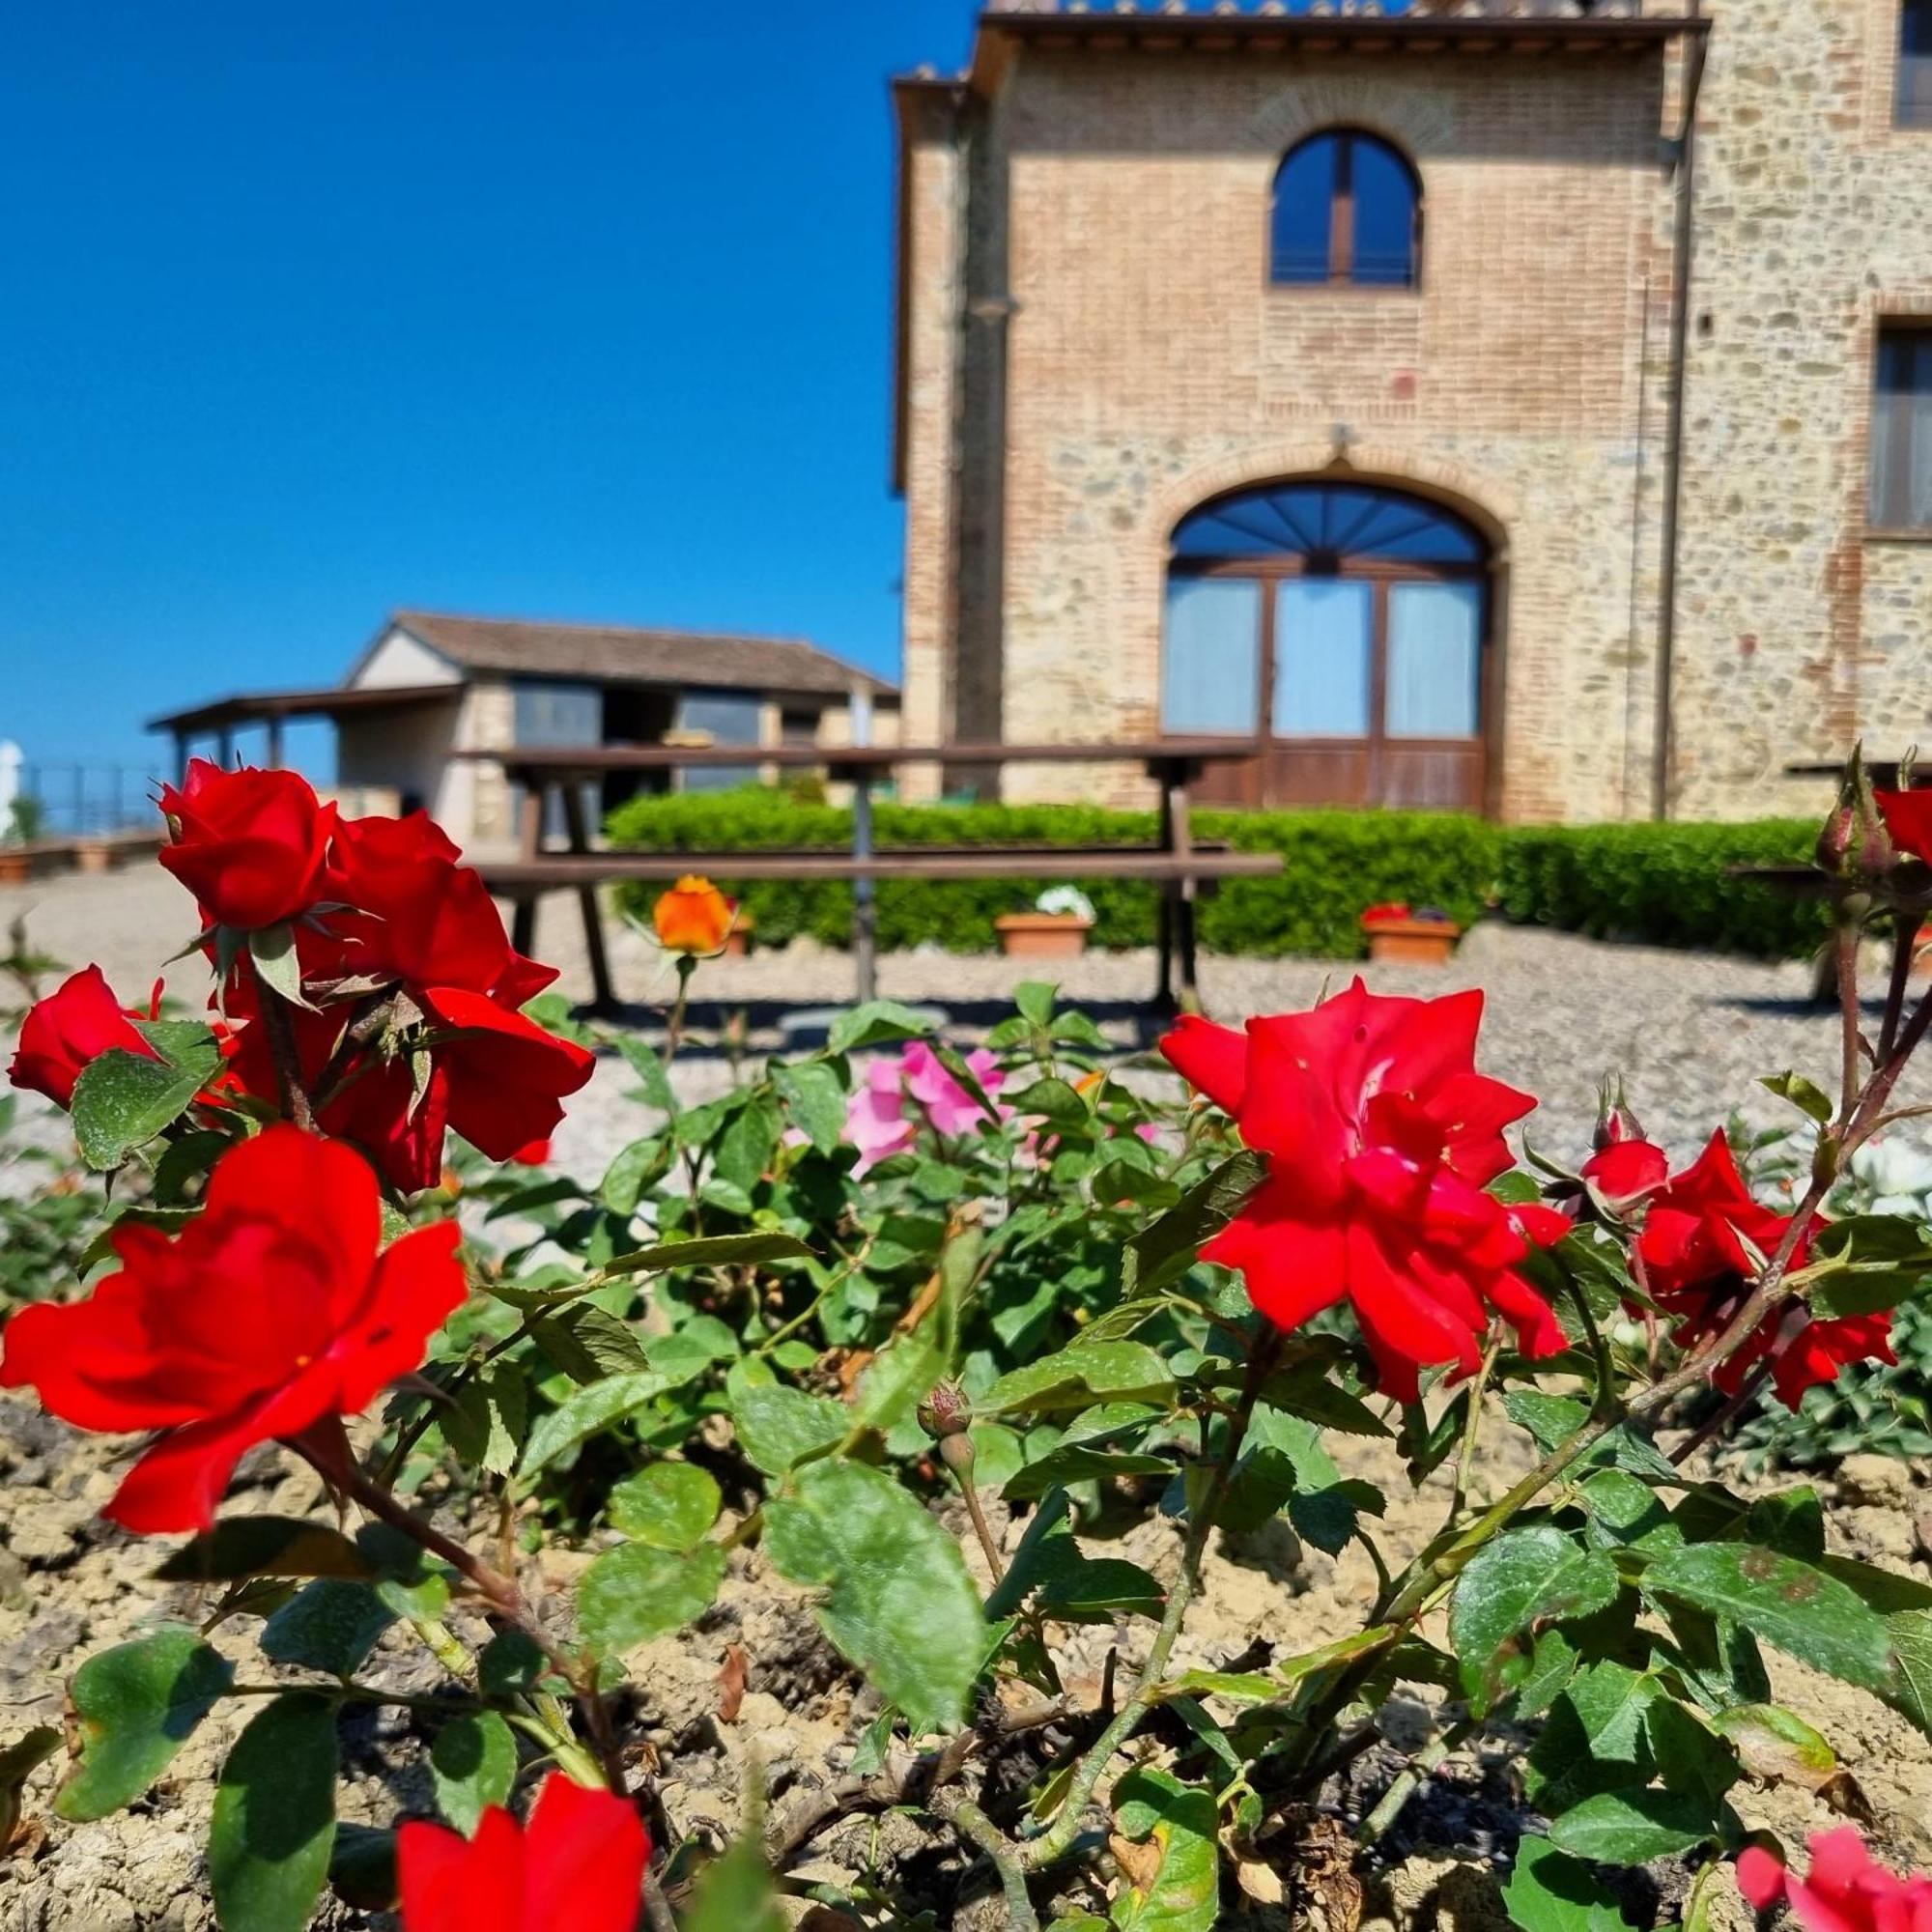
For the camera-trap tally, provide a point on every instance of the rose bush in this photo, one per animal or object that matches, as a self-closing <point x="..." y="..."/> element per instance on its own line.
<point x="788" y="1325"/>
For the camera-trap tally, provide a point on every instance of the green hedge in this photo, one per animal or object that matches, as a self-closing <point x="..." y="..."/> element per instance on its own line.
<point x="1664" y="884"/>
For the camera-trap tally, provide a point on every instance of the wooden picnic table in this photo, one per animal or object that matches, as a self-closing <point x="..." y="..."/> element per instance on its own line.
<point x="1183" y="868"/>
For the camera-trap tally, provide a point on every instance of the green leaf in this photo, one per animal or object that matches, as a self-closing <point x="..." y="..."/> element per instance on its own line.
<point x="1099" y="1588"/>
<point x="330" y="1626"/>
<point x="1632" y="1828"/>
<point x="1182" y="1894"/>
<point x="1550" y="1892"/>
<point x="648" y="1066"/>
<point x="271" y="948"/>
<point x="1164" y="1252"/>
<point x="1049" y="1099"/>
<point x="472" y="1765"/>
<point x="897" y="1379"/>
<point x="1310" y="1391"/>
<point x="412" y="1583"/>
<point x="735" y="1894"/>
<point x="814" y="1095"/>
<point x="1594" y="1739"/>
<point x="122" y="1099"/>
<point x="711" y="1251"/>
<point x="1524" y="1576"/>
<point x="586" y="1413"/>
<point x="135" y="1707"/>
<point x="875" y="1023"/>
<point x="1033" y="998"/>
<point x="512" y="1661"/>
<point x="274" y="1817"/>
<point x="1075" y="1378"/>
<point x="779" y="1426"/>
<point x="634" y="1593"/>
<point x="362" y="1867"/>
<point x="588" y="1344"/>
<point x="1791" y="1604"/>
<point x="632" y="1170"/>
<point x="900" y="1605"/>
<point x="1807" y="1095"/>
<point x="669" y="1505"/>
<point x="1910" y="1690"/>
<point x="1690" y="1757"/>
<point x="745" y="1148"/>
<point x="1775" y="1742"/>
<point x="1863" y="1265"/>
<point x="1624" y="1512"/>
<point x="487" y="1420"/>
<point x="240" y="1547"/>
<point x="1075" y="1463"/>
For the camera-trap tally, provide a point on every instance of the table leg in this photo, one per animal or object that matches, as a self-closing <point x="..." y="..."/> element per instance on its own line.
<point x="524" y="925"/>
<point x="1163" y="994"/>
<point x="865" y="909"/>
<point x="603" y="997"/>
<point x="530" y="819"/>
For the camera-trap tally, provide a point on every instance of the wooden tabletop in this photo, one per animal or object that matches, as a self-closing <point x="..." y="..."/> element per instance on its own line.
<point x="567" y="761"/>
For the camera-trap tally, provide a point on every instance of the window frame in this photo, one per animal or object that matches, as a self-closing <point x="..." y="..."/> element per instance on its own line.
<point x="1912" y="83"/>
<point x="1341" y="224"/>
<point x="1891" y="432"/>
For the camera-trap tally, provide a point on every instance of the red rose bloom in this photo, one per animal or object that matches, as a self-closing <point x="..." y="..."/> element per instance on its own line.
<point x="1699" y="1268"/>
<point x="248" y="844"/>
<point x="577" y="1866"/>
<point x="73" y="1025"/>
<point x="270" y="1312"/>
<point x="1907" y="817"/>
<point x="1844" y="1892"/>
<point x="412" y="912"/>
<point x="1380" y="1135"/>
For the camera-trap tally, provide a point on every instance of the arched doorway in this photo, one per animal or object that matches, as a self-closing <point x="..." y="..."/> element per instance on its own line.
<point x="1346" y="628"/>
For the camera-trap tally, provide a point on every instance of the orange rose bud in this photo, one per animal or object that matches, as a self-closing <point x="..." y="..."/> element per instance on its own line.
<point x="694" y="917"/>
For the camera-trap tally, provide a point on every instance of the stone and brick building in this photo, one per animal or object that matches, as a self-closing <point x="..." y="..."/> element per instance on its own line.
<point x="1522" y="405"/>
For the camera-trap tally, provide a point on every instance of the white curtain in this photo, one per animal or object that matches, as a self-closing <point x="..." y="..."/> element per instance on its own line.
<point x="1210" y="667"/>
<point x="1322" y="628"/>
<point x="1434" y="654"/>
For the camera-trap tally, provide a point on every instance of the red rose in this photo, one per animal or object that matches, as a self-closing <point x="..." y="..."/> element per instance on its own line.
<point x="418" y="915"/>
<point x="1844" y="1892"/>
<point x="1907" y="817"/>
<point x="248" y="844"/>
<point x="1380" y="1135"/>
<point x="270" y="1311"/>
<point x="577" y="1866"/>
<point x="1693" y="1248"/>
<point x="505" y="1076"/>
<point x="73" y="1025"/>
<point x="1626" y="1171"/>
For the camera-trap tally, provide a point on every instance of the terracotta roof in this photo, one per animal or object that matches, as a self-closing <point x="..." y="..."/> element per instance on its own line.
<point x="622" y="654"/>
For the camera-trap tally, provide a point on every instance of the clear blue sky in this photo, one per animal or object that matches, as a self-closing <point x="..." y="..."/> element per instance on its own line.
<point x="318" y="307"/>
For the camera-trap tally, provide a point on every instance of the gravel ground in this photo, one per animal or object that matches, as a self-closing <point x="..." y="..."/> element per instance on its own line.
<point x="1692" y="1033"/>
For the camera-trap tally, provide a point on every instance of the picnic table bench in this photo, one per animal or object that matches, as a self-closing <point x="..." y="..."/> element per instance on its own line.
<point x="1185" y="871"/>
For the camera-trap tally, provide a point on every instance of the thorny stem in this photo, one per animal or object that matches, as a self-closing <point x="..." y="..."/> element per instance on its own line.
<point x="1473" y="1430"/>
<point x="687" y="965"/>
<point x="1733" y="1406"/>
<point x="973" y="1824"/>
<point x="1904" y="939"/>
<point x="1054" y="1842"/>
<point x="281" y="1031"/>
<point x="498" y="1591"/>
<point x="1395" y="1800"/>
<point x="1847" y="942"/>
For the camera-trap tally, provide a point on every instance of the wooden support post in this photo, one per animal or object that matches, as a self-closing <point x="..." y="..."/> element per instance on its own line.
<point x="530" y="816"/>
<point x="864" y="907"/>
<point x="274" y="744"/>
<point x="603" y="997"/>
<point x="1177" y="929"/>
<point x="224" y="748"/>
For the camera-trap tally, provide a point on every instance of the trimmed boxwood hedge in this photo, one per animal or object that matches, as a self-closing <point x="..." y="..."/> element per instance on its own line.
<point x="1664" y="884"/>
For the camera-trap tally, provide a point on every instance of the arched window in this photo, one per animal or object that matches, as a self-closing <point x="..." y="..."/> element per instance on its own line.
<point x="1347" y="208"/>
<point x="1342" y="626"/>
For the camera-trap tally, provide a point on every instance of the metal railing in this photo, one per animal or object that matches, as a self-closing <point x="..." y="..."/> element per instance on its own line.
<point x="78" y="800"/>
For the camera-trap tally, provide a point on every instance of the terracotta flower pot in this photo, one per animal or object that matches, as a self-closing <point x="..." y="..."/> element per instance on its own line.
<point x="1042" y="935"/>
<point x="742" y="937"/>
<point x="16" y="867"/>
<point x="93" y="855"/>
<point x="1413" y="942"/>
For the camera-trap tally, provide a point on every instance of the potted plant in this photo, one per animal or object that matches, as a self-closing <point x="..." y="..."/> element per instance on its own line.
<point x="1055" y="928"/>
<point x="1416" y="936"/>
<point x="25" y="824"/>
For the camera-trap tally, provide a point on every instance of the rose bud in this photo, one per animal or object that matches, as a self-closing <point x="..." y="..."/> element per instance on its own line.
<point x="73" y="1027"/>
<point x="692" y="918"/>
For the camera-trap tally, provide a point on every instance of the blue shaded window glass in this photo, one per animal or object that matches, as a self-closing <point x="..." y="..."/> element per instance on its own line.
<point x="1915" y="64"/>
<point x="1434" y="659"/>
<point x="1211" y="668"/>
<point x="1323" y="638"/>
<point x="1304" y="210"/>
<point x="1384" y="239"/>
<point x="728" y="719"/>
<point x="1344" y="210"/>
<point x="1343" y="519"/>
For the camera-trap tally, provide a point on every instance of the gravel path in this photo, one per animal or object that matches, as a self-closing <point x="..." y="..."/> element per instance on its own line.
<point x="1692" y="1033"/>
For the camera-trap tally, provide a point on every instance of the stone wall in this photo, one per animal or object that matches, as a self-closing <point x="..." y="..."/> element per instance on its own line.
<point x="1798" y="628"/>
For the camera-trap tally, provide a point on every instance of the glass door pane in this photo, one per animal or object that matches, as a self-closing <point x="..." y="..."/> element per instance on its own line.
<point x="1210" y="667"/>
<point x="1434" y="659"/>
<point x="1323" y="628"/>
